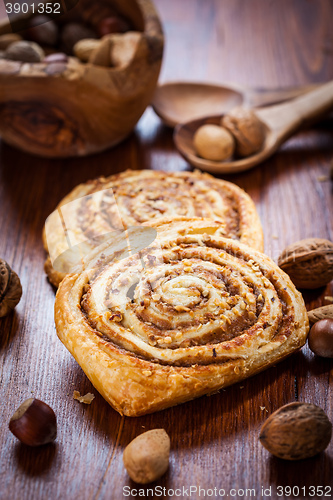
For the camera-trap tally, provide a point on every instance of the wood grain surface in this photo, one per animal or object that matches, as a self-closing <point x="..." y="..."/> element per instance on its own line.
<point x="214" y="439"/>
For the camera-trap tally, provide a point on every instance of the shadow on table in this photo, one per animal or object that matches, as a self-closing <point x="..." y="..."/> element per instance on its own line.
<point x="306" y="148"/>
<point x="9" y="325"/>
<point x="233" y="411"/>
<point x="149" y="489"/>
<point x="36" y="461"/>
<point x="99" y="414"/>
<point x="310" y="296"/>
<point x="301" y="473"/>
<point x="317" y="365"/>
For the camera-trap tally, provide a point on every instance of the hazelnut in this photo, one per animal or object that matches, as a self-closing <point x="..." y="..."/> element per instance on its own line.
<point x="296" y="431"/>
<point x="43" y="30"/>
<point x="72" y="33"/>
<point x="248" y="131"/>
<point x="25" y="52"/>
<point x="146" y="458"/>
<point x="10" y="289"/>
<point x="112" y="24"/>
<point x="320" y="338"/>
<point x="34" y="423"/>
<point x="213" y="142"/>
<point x="8" y="39"/>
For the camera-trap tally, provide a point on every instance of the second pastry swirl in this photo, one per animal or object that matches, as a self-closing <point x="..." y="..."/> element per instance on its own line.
<point x="95" y="209"/>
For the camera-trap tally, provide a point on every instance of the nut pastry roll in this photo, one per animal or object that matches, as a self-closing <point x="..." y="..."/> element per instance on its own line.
<point x="93" y="210"/>
<point x="188" y="315"/>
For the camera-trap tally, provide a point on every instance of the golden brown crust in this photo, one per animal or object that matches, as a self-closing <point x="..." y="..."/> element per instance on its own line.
<point x="192" y="313"/>
<point x="55" y="277"/>
<point x="142" y="196"/>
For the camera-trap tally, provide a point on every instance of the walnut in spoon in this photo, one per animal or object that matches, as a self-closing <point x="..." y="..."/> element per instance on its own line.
<point x="249" y="132"/>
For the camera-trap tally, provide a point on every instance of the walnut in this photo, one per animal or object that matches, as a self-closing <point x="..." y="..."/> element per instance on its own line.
<point x="10" y="289"/>
<point x="296" y="431"/>
<point x="308" y="262"/>
<point x="249" y="132"/>
<point x="24" y="51"/>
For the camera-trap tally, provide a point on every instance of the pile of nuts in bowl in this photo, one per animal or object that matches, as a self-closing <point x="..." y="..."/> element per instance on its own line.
<point x="100" y="38"/>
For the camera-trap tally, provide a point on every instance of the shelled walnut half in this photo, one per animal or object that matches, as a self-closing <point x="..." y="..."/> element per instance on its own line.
<point x="10" y="289"/>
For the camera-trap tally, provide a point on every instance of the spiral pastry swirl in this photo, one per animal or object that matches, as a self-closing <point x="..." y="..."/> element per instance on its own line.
<point x="101" y="206"/>
<point x="188" y="315"/>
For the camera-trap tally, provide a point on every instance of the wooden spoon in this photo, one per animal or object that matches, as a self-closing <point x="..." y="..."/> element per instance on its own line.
<point x="181" y="102"/>
<point x="281" y="121"/>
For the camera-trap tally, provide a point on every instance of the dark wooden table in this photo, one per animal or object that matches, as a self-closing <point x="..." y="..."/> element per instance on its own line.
<point x="214" y="439"/>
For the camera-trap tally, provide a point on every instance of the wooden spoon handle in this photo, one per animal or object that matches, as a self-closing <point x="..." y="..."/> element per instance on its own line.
<point x="261" y="96"/>
<point x="315" y="104"/>
<point x="284" y="119"/>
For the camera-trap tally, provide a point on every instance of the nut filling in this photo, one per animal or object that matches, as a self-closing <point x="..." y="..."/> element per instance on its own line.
<point x="188" y="304"/>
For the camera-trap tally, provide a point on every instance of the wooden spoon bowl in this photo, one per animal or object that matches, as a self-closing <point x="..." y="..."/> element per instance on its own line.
<point x="75" y="108"/>
<point x="280" y="121"/>
<point x="183" y="138"/>
<point x="180" y="102"/>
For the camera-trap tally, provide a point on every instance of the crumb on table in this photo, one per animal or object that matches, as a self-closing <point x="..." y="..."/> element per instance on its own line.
<point x="86" y="399"/>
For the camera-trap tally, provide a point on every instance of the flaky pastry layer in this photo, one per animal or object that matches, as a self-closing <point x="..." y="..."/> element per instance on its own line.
<point x="188" y="315"/>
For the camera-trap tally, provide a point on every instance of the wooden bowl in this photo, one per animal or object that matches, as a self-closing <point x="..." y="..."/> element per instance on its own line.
<point x="74" y="108"/>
